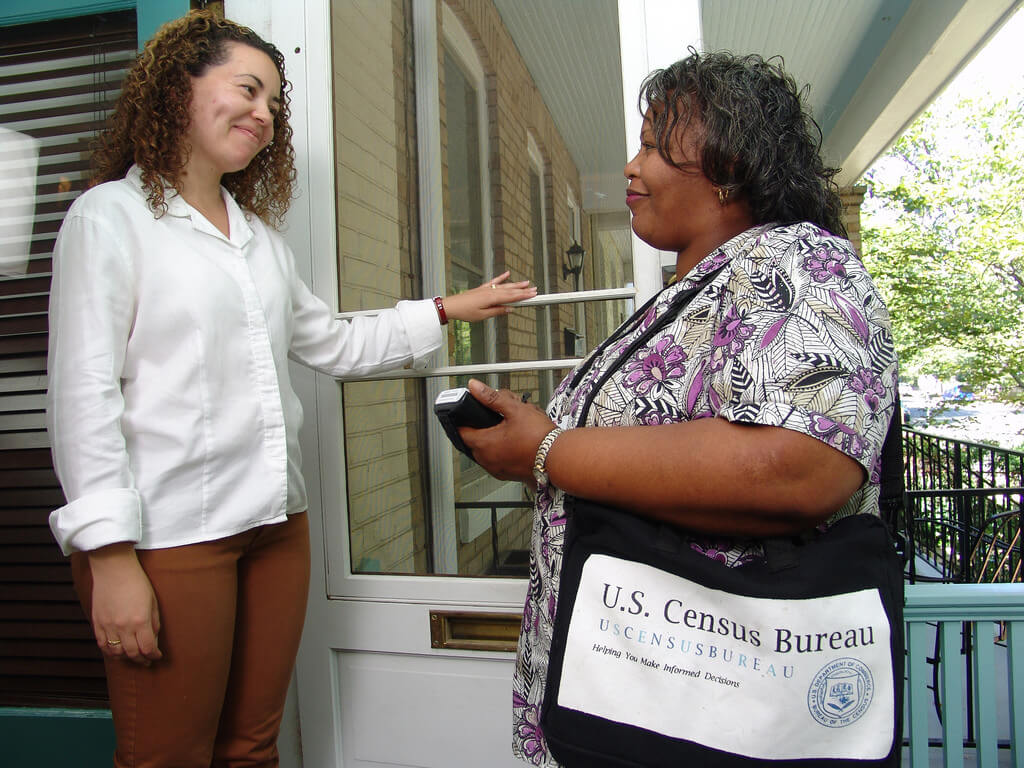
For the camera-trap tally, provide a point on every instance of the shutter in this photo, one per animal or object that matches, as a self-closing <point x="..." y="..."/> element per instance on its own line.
<point x="58" y="82"/>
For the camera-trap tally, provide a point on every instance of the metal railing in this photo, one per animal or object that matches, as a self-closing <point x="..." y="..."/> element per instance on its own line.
<point x="963" y="522"/>
<point x="965" y="674"/>
<point x="963" y="515"/>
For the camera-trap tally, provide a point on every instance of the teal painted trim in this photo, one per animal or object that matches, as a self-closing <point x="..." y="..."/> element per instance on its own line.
<point x="1015" y="656"/>
<point x="952" y="696"/>
<point x="985" y="715"/>
<point x="876" y="37"/>
<point x="31" y="737"/>
<point x="28" y="11"/>
<point x="939" y="610"/>
<point x="920" y="638"/>
<point x="963" y="602"/>
<point x="150" y="15"/>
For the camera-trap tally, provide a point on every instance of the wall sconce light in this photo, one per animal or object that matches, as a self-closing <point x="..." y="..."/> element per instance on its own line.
<point x="573" y="264"/>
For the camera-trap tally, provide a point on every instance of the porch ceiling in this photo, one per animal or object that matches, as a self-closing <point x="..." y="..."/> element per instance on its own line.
<point x="871" y="66"/>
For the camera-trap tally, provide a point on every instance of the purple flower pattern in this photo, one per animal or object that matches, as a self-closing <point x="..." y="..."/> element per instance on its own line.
<point x="657" y="367"/>
<point x="706" y="365"/>
<point x="718" y="258"/>
<point x="529" y="734"/>
<point x="826" y="263"/>
<point x="652" y="418"/>
<point x="838" y="435"/>
<point x="717" y="554"/>
<point x="869" y="384"/>
<point x="723" y="552"/>
<point x="730" y="337"/>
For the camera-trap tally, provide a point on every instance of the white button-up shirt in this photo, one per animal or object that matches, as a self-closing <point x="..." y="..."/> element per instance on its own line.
<point x="170" y="408"/>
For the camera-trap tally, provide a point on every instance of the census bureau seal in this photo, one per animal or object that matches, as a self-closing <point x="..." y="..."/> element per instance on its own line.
<point x="841" y="692"/>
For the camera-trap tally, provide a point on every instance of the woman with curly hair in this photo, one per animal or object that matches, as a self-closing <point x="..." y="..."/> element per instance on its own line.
<point x="760" y="409"/>
<point x="175" y="311"/>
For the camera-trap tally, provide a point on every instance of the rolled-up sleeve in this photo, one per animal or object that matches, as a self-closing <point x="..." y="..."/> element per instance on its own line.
<point x="91" y="311"/>
<point x="363" y="345"/>
<point x="817" y="357"/>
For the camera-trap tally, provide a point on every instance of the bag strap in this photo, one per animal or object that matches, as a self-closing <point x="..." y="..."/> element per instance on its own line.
<point x="892" y="500"/>
<point x="676" y="305"/>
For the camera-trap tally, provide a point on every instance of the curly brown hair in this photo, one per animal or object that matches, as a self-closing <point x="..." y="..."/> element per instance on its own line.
<point x="152" y="115"/>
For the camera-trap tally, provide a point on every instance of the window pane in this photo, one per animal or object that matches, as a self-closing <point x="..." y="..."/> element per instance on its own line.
<point x="531" y="154"/>
<point x="492" y="521"/>
<point x="593" y="321"/>
<point x="611" y="250"/>
<point x="464" y="212"/>
<point x="378" y="264"/>
<point x="387" y="498"/>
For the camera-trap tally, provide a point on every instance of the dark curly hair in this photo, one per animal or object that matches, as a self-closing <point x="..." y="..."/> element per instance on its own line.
<point x="759" y="141"/>
<point x="152" y="114"/>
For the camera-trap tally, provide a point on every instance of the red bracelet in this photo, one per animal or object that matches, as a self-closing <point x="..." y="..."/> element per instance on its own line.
<point x="441" y="314"/>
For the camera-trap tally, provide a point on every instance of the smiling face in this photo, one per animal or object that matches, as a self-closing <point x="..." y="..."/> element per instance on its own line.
<point x="676" y="207"/>
<point x="232" y="112"/>
<point x="671" y="205"/>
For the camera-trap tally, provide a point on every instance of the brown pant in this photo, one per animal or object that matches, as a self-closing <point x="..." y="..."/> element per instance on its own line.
<point x="231" y="614"/>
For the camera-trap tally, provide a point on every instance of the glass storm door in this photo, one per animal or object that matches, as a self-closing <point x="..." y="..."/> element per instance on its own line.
<point x="447" y="142"/>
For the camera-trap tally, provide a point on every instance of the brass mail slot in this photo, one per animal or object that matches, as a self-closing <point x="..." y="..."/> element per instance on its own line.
<point x="467" y="631"/>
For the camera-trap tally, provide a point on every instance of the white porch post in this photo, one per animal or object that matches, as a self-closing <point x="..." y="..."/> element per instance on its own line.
<point x="652" y="34"/>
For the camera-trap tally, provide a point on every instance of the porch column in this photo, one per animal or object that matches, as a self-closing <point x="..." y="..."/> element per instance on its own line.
<point x="652" y="34"/>
<point x="852" y="197"/>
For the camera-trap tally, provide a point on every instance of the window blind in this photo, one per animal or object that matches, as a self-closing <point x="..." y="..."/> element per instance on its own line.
<point x="58" y="83"/>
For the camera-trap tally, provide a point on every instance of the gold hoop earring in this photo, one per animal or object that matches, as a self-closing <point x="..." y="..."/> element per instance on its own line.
<point x="723" y="195"/>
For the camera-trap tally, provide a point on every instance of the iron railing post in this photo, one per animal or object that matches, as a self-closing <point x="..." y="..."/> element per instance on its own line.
<point x="962" y="518"/>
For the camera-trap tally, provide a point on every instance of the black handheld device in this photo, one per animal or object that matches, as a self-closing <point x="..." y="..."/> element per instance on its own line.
<point x="457" y="408"/>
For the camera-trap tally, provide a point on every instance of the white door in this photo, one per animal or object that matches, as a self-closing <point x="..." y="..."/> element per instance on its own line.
<point x="436" y="146"/>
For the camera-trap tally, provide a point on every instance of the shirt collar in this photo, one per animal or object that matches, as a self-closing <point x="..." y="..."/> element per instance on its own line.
<point x="736" y="247"/>
<point x="238" y="220"/>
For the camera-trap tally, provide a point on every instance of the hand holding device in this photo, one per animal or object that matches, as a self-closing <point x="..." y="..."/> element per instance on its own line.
<point x="458" y="408"/>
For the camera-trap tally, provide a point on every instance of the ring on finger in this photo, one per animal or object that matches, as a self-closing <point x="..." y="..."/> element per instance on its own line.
<point x="113" y="643"/>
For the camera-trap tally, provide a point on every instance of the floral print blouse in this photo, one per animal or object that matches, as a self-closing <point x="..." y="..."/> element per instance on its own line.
<point x="790" y="332"/>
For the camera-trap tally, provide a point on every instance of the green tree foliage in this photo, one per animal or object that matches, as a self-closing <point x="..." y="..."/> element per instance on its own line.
<point x="943" y="234"/>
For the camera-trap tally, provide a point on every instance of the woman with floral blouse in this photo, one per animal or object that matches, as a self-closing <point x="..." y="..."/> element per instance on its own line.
<point x="758" y="411"/>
